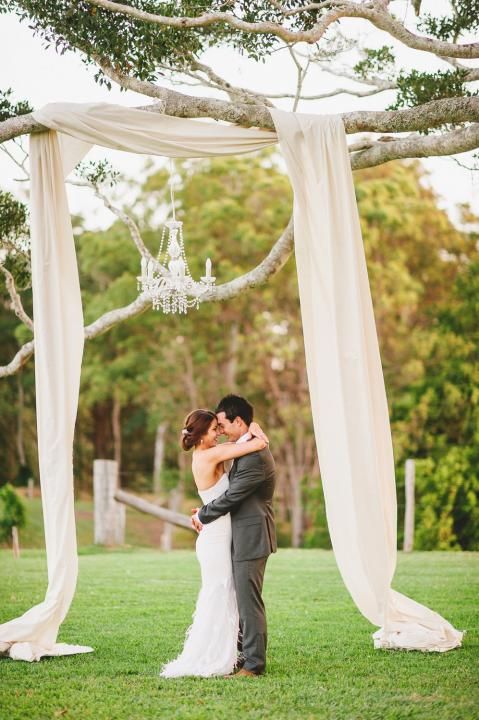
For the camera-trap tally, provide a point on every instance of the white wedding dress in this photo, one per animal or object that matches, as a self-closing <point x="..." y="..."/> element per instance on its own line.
<point x="210" y="645"/>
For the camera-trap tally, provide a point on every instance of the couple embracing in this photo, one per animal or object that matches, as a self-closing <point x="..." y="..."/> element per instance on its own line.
<point x="236" y="535"/>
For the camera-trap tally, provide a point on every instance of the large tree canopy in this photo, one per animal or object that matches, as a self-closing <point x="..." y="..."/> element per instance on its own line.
<point x="149" y="46"/>
<point x="135" y="44"/>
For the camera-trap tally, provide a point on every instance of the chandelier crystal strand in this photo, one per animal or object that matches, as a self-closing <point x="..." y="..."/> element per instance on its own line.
<point x="167" y="280"/>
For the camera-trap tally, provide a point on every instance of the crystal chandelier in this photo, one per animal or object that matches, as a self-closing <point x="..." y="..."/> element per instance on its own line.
<point x="167" y="280"/>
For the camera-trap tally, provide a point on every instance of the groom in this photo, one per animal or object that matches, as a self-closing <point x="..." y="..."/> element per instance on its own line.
<point x="249" y="500"/>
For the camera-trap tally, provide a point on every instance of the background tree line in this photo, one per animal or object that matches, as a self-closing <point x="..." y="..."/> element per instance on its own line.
<point x="141" y="378"/>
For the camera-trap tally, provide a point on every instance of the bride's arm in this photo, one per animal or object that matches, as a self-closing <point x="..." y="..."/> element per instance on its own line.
<point x="230" y="451"/>
<point x="256" y="431"/>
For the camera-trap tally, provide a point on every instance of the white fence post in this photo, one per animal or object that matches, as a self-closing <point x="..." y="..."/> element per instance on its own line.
<point x="109" y="515"/>
<point x="15" y="542"/>
<point x="409" y="510"/>
<point x="167" y="534"/>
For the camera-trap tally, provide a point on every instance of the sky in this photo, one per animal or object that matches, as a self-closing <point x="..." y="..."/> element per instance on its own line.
<point x="40" y="76"/>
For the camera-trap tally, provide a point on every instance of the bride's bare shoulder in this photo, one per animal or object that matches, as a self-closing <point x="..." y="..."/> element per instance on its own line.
<point x="204" y="475"/>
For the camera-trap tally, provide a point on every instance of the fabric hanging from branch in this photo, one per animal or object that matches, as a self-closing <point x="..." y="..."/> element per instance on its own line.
<point x="345" y="377"/>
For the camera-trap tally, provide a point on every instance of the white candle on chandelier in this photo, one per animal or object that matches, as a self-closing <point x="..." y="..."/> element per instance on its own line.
<point x="208" y="268"/>
<point x="144" y="266"/>
<point x="150" y="268"/>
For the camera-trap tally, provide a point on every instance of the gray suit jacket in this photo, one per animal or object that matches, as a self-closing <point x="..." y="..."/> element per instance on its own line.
<point x="249" y="500"/>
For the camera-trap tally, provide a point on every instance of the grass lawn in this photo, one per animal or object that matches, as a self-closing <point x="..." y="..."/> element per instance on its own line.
<point x="134" y="606"/>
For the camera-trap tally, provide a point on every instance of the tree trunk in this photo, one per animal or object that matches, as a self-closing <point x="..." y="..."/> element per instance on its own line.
<point x="409" y="511"/>
<point x="20" y="436"/>
<point x="116" y="430"/>
<point x="102" y="430"/>
<point x="295" y="473"/>
<point x="174" y="502"/>
<point x="232" y="361"/>
<point x="159" y="457"/>
<point x="296" y="511"/>
<point x="281" y="494"/>
<point x="189" y="376"/>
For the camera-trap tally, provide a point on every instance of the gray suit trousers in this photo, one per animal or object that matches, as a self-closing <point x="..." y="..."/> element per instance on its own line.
<point x="248" y="578"/>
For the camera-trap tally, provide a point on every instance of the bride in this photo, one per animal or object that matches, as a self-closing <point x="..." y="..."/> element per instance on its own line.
<point x="211" y="642"/>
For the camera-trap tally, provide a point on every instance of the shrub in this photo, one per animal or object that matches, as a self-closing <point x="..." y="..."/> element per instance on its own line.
<point x="12" y="512"/>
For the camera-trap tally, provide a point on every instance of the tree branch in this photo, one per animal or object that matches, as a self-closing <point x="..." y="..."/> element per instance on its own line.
<point x="239" y="94"/>
<point x="273" y="262"/>
<point x="16" y="301"/>
<point x="120" y="214"/>
<point x="348" y="74"/>
<point x="333" y="93"/>
<point x="376" y="13"/>
<point x="219" y="83"/>
<point x="471" y="74"/>
<point x="423" y="117"/>
<point x="454" y="142"/>
<point x="20" y="359"/>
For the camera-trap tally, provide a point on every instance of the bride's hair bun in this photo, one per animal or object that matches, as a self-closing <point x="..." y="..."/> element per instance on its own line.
<point x="196" y="425"/>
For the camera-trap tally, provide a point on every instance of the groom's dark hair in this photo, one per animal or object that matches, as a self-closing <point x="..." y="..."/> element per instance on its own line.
<point x="235" y="406"/>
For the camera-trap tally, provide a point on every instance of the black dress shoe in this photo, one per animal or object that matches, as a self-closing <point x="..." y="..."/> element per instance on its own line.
<point x="242" y="673"/>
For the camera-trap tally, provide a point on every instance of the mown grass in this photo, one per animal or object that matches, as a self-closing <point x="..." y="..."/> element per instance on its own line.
<point x="134" y="606"/>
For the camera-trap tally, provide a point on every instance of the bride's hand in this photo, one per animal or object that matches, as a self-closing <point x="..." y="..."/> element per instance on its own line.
<point x="256" y="431"/>
<point x="194" y="520"/>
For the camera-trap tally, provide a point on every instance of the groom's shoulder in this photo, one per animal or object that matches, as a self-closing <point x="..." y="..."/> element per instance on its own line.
<point x="266" y="456"/>
<point x="250" y="459"/>
<point x="260" y="457"/>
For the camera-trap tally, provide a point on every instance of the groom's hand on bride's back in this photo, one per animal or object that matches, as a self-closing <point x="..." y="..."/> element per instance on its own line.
<point x="195" y="522"/>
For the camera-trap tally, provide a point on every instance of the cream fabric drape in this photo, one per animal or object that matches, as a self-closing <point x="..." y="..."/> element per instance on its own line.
<point x="348" y="398"/>
<point x="344" y="370"/>
<point x="58" y="352"/>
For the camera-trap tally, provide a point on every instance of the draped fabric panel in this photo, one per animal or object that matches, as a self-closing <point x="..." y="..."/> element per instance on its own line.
<point x="345" y="378"/>
<point x="348" y="397"/>
<point x="58" y="318"/>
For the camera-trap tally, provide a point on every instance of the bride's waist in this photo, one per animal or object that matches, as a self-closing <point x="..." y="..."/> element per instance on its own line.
<point x="220" y="526"/>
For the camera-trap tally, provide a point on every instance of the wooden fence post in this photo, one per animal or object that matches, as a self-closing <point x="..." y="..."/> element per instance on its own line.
<point x="167" y="534"/>
<point x="15" y="542"/>
<point x="409" y="510"/>
<point x="109" y="515"/>
<point x="159" y="457"/>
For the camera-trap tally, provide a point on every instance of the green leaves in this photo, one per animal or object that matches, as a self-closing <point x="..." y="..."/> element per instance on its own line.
<point x="416" y="88"/>
<point x="98" y="172"/>
<point x="13" y="218"/>
<point x="377" y="62"/>
<point x="12" y="512"/>
<point x="138" y="47"/>
<point x="464" y="18"/>
<point x="14" y="238"/>
<point x="130" y="45"/>
<point x="447" y="508"/>
<point x="8" y="109"/>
